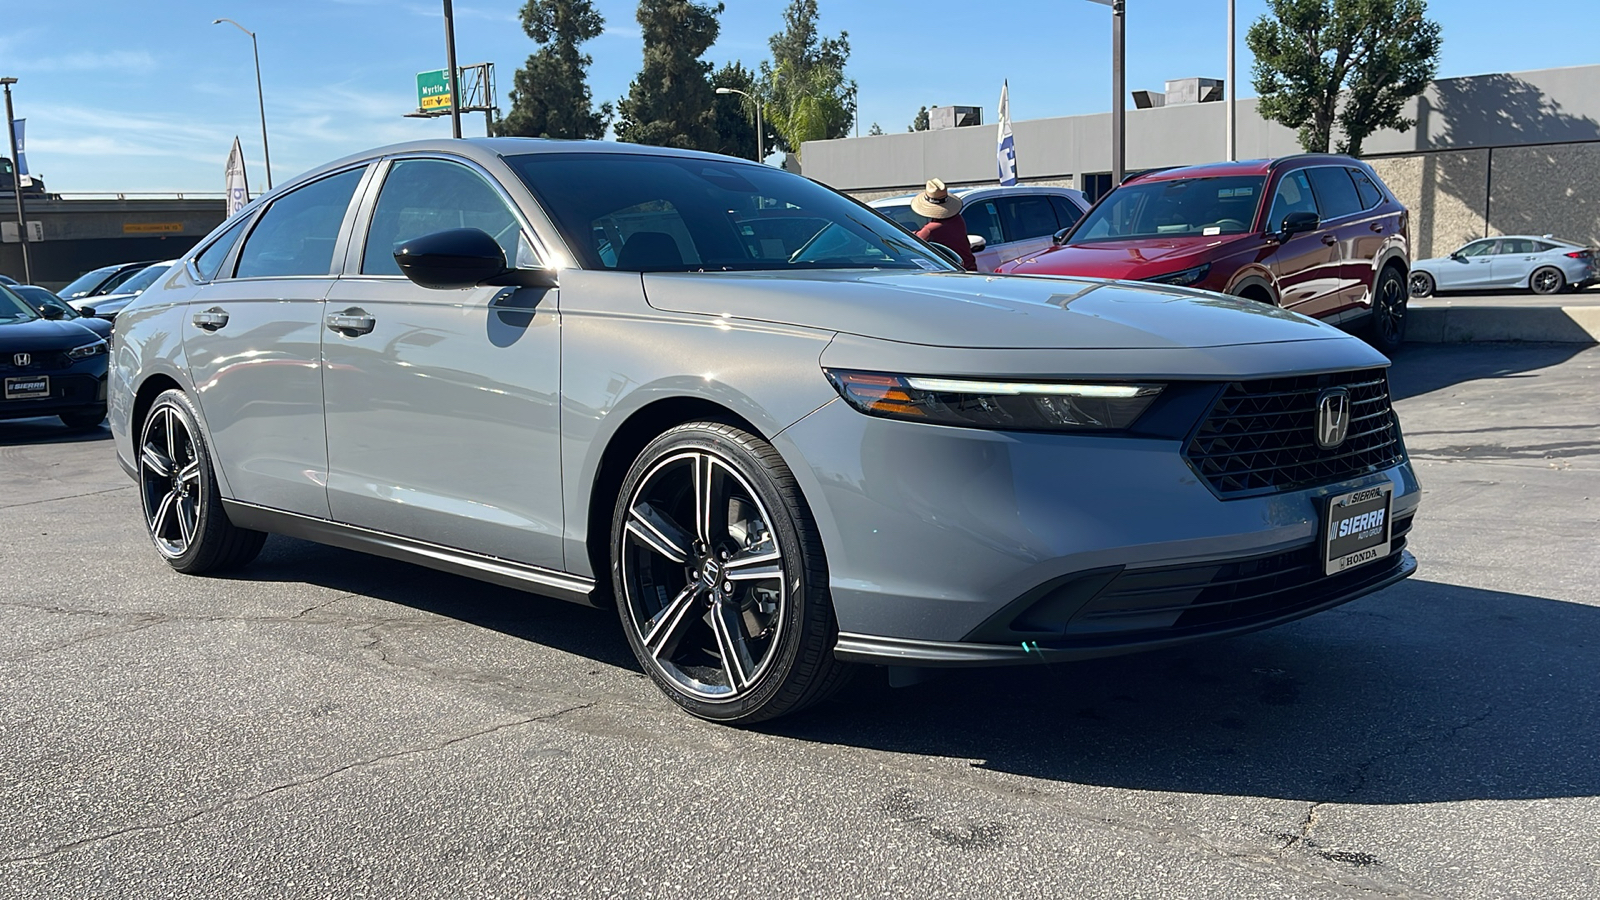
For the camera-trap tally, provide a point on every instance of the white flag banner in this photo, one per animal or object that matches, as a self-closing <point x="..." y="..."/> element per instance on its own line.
<point x="238" y="184"/>
<point x="1006" y="153"/>
<point x="20" y="128"/>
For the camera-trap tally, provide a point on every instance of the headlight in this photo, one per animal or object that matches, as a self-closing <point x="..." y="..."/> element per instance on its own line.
<point x="87" y="350"/>
<point x="998" y="405"/>
<point x="1184" y="278"/>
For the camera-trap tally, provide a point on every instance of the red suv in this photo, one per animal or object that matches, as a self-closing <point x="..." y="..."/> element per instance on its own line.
<point x="1318" y="233"/>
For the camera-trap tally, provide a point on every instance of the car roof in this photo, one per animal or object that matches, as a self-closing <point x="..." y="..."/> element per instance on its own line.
<point x="1243" y="167"/>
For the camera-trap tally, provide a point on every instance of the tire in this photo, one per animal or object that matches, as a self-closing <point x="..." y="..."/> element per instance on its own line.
<point x="1422" y="284"/>
<point x="725" y="602"/>
<point x="1547" y="280"/>
<point x="83" y="420"/>
<point x="1387" y="326"/>
<point x="183" y="511"/>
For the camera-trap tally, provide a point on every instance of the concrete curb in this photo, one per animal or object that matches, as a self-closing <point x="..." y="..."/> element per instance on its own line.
<point x="1545" y="324"/>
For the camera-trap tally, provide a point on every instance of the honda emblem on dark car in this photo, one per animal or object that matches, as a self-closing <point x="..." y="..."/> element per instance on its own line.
<point x="1333" y="417"/>
<point x="22" y="359"/>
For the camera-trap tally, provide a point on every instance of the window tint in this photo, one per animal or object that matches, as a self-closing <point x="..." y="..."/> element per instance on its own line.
<point x="421" y="196"/>
<point x="210" y="259"/>
<point x="1478" y="248"/>
<point x="1336" y="193"/>
<point x="984" y="220"/>
<point x="1294" y="195"/>
<point x="1067" y="212"/>
<point x="297" y="233"/>
<point x="1027" y="217"/>
<point x="1367" y="191"/>
<point x="1542" y="247"/>
<point x="1518" y="245"/>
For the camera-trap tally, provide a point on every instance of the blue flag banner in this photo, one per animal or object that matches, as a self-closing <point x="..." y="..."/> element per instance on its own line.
<point x="19" y="129"/>
<point x="1006" y="153"/>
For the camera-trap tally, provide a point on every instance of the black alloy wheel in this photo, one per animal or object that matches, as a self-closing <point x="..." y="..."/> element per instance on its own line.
<point x="1547" y="280"/>
<point x="719" y="577"/>
<point x="177" y="488"/>
<point x="1422" y="284"/>
<point x="1389" y="312"/>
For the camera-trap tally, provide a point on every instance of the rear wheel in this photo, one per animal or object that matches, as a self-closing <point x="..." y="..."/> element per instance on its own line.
<point x="720" y="577"/>
<point x="1422" y="284"/>
<point x="178" y="489"/>
<point x="1547" y="280"/>
<point x="1388" y="327"/>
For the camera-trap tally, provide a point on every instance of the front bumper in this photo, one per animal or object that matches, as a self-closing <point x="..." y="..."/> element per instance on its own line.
<point x="77" y="389"/>
<point x="939" y="538"/>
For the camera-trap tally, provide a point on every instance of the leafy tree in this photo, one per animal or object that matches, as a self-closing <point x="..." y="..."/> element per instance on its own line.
<point x="875" y="129"/>
<point x="804" y="85"/>
<point x="920" y="123"/>
<point x="671" y="103"/>
<point x="734" y="116"/>
<point x="550" y="97"/>
<point x="1378" y="53"/>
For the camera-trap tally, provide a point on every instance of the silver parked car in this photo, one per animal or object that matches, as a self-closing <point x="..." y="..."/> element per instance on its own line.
<point x="781" y="437"/>
<point x="1544" y="265"/>
<point x="1003" y="223"/>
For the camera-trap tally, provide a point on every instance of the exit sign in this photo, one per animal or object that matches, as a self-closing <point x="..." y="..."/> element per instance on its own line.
<point x="433" y="90"/>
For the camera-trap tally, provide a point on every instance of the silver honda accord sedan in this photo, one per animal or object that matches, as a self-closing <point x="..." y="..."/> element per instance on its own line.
<point x="780" y="435"/>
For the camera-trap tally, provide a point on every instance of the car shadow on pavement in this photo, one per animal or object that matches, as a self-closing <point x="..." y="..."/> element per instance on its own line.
<point x="15" y="432"/>
<point x="1424" y="368"/>
<point x="1424" y="693"/>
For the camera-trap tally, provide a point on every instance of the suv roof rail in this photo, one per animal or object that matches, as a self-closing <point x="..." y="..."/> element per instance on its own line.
<point x="1132" y="175"/>
<point x="1294" y="156"/>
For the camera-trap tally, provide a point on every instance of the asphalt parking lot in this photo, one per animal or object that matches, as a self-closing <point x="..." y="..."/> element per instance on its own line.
<point x="326" y="724"/>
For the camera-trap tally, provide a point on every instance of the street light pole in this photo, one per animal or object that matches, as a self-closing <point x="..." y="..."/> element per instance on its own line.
<point x="761" y="152"/>
<point x="1233" y="92"/>
<point x="16" y="183"/>
<point x="1118" y="88"/>
<point x="450" y="60"/>
<point x="261" y="100"/>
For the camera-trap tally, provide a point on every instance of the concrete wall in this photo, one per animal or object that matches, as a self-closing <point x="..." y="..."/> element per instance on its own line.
<point x="1547" y="190"/>
<point x="1446" y="194"/>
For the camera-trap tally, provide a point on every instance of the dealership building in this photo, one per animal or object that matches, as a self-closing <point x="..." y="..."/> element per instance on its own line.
<point x="1514" y="153"/>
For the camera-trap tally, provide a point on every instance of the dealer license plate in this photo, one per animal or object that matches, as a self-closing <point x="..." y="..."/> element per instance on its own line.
<point x="1357" y="529"/>
<point x="27" y="386"/>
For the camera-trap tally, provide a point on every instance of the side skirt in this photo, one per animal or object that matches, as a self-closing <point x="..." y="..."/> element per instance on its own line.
<point x="534" y="579"/>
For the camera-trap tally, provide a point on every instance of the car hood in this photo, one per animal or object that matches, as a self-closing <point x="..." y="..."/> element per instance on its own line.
<point x="1132" y="259"/>
<point x="43" y="335"/>
<point x="984" y="311"/>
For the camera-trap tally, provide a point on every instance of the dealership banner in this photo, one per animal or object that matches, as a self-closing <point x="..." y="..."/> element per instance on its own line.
<point x="18" y="129"/>
<point x="1007" y="151"/>
<point x="238" y="183"/>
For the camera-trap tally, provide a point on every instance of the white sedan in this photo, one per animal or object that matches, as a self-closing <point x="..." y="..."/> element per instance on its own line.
<point x="1543" y="264"/>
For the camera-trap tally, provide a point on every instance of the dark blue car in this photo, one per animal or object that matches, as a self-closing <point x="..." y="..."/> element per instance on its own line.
<point x="49" y="366"/>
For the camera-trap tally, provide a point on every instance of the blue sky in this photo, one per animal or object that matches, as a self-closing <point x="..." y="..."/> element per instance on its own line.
<point x="147" y="96"/>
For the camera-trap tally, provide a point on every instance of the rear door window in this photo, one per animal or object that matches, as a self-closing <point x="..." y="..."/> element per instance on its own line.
<point x="1336" y="193"/>
<point x="297" y="233"/>
<point x="1517" y="245"/>
<point x="1027" y="217"/>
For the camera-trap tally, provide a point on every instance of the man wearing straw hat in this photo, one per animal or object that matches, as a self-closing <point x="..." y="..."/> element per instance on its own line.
<point x="945" y="225"/>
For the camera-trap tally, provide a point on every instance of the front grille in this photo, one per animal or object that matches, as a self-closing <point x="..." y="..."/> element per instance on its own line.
<point x="1261" y="435"/>
<point x="47" y="361"/>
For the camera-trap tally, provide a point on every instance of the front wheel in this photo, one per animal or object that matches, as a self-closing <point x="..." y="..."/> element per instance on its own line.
<point x="178" y="490"/>
<point x="1422" y="284"/>
<point x="1388" y="328"/>
<point x="720" y="578"/>
<point x="1547" y="280"/>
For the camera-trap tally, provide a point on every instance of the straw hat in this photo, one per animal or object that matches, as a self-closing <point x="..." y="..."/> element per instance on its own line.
<point x="935" y="202"/>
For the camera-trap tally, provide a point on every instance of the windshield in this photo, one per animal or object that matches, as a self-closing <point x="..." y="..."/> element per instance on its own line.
<point x="641" y="213"/>
<point x="1191" y="206"/>
<point x="39" y="298"/>
<point x="86" y="282"/>
<point x="144" y="279"/>
<point x="14" y="308"/>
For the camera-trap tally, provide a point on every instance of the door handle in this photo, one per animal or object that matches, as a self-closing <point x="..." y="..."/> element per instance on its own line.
<point x="352" y="321"/>
<point x="1377" y="227"/>
<point x="1329" y="239"/>
<point x="212" y="319"/>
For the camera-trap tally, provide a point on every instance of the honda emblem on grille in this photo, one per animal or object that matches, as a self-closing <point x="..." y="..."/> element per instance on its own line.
<point x="1333" y="417"/>
<point x="23" y="359"/>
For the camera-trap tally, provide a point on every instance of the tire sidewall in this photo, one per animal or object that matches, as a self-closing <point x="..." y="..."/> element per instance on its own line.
<point x="1533" y="281"/>
<point x="707" y="437"/>
<point x="1379" y="339"/>
<point x="1432" y="285"/>
<point x="209" y="502"/>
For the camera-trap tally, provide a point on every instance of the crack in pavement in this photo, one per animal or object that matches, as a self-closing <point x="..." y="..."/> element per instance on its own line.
<point x="127" y="487"/>
<point x="234" y="802"/>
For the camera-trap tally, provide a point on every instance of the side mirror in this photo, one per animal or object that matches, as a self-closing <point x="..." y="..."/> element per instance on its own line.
<point x="52" y="312"/>
<point x="463" y="258"/>
<point x="947" y="253"/>
<point x="1456" y="254"/>
<point x="1060" y="237"/>
<point x="1298" y="223"/>
<point x="976" y="242"/>
<point x="86" y="311"/>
